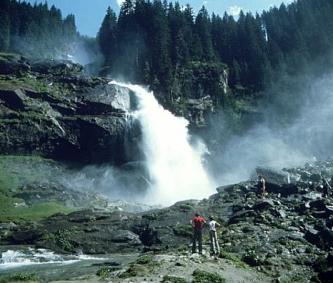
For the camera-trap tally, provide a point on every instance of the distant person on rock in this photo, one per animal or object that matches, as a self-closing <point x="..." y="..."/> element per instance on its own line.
<point x="198" y="223"/>
<point x="327" y="189"/>
<point x="262" y="186"/>
<point x="214" y="244"/>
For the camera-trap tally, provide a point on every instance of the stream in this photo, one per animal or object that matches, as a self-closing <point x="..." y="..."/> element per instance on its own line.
<point x="49" y="266"/>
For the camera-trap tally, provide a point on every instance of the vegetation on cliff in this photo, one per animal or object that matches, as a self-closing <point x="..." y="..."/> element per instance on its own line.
<point x="156" y="43"/>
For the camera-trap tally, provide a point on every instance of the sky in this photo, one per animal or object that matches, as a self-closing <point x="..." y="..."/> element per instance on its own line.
<point x="90" y="13"/>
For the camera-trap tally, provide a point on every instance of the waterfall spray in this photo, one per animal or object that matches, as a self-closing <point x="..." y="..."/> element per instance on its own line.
<point x="175" y="166"/>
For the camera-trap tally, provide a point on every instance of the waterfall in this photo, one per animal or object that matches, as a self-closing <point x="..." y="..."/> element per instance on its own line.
<point x="175" y="166"/>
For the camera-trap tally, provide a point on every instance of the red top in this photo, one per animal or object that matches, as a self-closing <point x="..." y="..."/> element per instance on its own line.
<point x="198" y="222"/>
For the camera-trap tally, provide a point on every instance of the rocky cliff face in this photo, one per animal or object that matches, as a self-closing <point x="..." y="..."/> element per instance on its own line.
<point x="51" y="109"/>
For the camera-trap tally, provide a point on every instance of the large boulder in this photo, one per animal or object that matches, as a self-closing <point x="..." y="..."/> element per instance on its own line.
<point x="12" y="64"/>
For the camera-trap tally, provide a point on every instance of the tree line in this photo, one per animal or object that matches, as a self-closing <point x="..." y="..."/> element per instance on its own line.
<point x="155" y="42"/>
<point x="35" y="30"/>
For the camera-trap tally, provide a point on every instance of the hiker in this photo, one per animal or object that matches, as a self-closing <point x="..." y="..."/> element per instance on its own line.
<point x="327" y="189"/>
<point x="197" y="223"/>
<point x="214" y="244"/>
<point x="262" y="185"/>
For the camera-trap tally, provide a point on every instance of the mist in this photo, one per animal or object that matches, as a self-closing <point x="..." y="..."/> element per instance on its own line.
<point x="296" y="126"/>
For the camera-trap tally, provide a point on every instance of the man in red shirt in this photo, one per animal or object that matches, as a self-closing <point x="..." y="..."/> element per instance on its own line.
<point x="197" y="223"/>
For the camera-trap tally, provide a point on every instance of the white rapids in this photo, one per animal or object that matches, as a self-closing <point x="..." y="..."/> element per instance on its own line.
<point x="13" y="259"/>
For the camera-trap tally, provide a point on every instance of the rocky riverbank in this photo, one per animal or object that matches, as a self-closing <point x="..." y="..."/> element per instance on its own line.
<point x="285" y="237"/>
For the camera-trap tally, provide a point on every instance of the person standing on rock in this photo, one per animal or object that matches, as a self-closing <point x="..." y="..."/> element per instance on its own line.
<point x="327" y="189"/>
<point x="214" y="244"/>
<point x="198" y="223"/>
<point x="262" y="186"/>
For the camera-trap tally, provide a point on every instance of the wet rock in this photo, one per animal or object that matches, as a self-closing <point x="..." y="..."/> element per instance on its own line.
<point x="14" y="99"/>
<point x="125" y="236"/>
<point x="11" y="64"/>
<point x="274" y="176"/>
<point x="56" y="67"/>
<point x="318" y="204"/>
<point x="321" y="237"/>
<point x="262" y="205"/>
<point x="241" y="215"/>
<point x="25" y="236"/>
<point x="315" y="178"/>
<point x="324" y="267"/>
<point x="283" y="189"/>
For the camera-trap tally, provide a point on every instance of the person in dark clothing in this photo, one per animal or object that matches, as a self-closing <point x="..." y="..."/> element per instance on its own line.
<point x="327" y="189"/>
<point x="198" y="223"/>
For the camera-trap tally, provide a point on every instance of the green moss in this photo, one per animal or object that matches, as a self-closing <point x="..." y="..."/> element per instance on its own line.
<point x="233" y="258"/>
<point x="134" y="270"/>
<point x="145" y="259"/>
<point x="104" y="272"/>
<point x="63" y="239"/>
<point x="186" y="207"/>
<point x="20" y="277"/>
<point x="200" y="276"/>
<point x="25" y="82"/>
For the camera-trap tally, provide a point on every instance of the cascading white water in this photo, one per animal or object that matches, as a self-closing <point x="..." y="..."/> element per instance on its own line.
<point x="15" y="259"/>
<point x="174" y="165"/>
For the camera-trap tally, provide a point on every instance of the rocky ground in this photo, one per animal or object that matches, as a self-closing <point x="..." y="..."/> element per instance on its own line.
<point x="285" y="237"/>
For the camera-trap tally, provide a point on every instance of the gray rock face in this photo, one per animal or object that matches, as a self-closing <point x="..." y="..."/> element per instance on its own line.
<point x="63" y="115"/>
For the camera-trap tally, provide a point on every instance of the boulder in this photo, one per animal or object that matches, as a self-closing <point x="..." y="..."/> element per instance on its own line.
<point x="13" y="99"/>
<point x="125" y="236"/>
<point x="241" y="215"/>
<point x="273" y="176"/>
<point x="56" y="67"/>
<point x="11" y="64"/>
<point x="283" y="189"/>
<point x="263" y="205"/>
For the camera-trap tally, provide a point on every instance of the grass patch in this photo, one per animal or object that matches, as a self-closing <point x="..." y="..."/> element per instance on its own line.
<point x="104" y="273"/>
<point x="200" y="276"/>
<point x="34" y="212"/>
<point x="234" y="259"/>
<point x="17" y="171"/>
<point x="145" y="259"/>
<point x="20" y="277"/>
<point x="134" y="270"/>
<point x="24" y="82"/>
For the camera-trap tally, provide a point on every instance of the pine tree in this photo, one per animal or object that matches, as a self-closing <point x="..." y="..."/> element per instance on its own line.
<point x="4" y="25"/>
<point x="107" y="36"/>
<point x="203" y="30"/>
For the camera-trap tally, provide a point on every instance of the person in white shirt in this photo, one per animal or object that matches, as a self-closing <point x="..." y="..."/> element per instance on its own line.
<point x="214" y="244"/>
